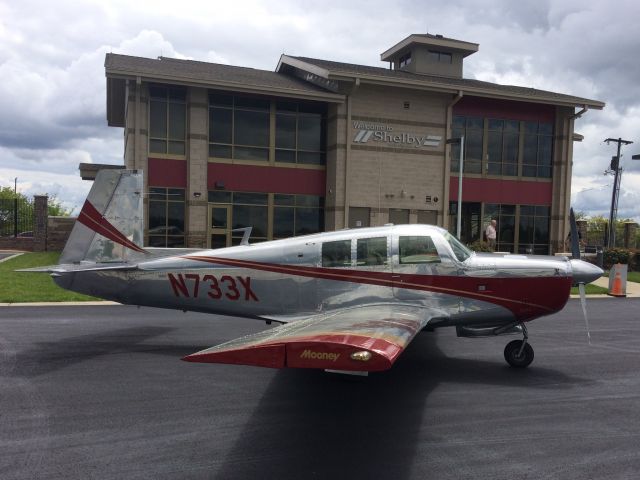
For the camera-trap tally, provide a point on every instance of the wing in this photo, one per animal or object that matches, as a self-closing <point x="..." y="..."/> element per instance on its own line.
<point x="366" y="338"/>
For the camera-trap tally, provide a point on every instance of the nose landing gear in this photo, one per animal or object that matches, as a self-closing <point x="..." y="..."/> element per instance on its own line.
<point x="518" y="353"/>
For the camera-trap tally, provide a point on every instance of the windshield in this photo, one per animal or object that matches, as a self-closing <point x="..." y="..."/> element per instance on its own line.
<point x="459" y="250"/>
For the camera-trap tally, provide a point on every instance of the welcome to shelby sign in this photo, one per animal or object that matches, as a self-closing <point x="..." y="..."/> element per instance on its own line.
<point x="379" y="132"/>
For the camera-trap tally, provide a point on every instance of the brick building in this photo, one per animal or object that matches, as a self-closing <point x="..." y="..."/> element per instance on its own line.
<point x="321" y="145"/>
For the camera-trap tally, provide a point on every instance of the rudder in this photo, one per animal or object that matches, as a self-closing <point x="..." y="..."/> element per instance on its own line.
<point x="110" y="224"/>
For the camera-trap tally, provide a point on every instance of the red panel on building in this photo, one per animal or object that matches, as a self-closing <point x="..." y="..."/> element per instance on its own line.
<point x="510" y="192"/>
<point x="504" y="109"/>
<point x="253" y="178"/>
<point x="164" y="172"/>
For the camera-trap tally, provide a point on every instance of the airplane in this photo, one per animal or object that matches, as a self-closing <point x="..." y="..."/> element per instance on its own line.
<point x="347" y="301"/>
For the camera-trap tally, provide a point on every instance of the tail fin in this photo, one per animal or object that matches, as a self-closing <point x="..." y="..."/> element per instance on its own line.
<point x="110" y="224"/>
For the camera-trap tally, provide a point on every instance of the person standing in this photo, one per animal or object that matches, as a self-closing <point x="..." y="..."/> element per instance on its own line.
<point x="490" y="233"/>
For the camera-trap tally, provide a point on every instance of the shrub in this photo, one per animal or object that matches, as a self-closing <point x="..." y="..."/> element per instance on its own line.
<point x="480" y="246"/>
<point x="616" y="255"/>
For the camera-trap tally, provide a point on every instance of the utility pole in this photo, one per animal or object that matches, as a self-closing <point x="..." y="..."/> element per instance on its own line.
<point x="15" y="207"/>
<point x="617" y="171"/>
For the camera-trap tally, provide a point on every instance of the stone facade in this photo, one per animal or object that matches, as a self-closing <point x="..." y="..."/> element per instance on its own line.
<point x="386" y="133"/>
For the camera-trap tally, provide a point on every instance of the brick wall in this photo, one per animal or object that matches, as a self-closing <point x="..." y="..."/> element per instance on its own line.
<point x="58" y="231"/>
<point x="49" y="233"/>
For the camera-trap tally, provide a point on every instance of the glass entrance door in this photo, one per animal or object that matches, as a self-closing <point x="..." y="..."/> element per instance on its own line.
<point x="219" y="230"/>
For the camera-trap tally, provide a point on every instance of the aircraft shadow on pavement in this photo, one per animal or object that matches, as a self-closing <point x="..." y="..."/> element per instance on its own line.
<point x="320" y="425"/>
<point x="46" y="357"/>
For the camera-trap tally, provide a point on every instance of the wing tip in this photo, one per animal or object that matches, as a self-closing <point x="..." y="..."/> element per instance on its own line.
<point x="323" y="355"/>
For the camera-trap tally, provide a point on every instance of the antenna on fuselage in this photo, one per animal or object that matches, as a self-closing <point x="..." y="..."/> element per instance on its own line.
<point x="245" y="235"/>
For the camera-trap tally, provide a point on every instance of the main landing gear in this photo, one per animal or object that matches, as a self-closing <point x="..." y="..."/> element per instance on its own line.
<point x="518" y="353"/>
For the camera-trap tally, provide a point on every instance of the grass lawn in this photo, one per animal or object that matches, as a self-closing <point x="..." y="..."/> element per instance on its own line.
<point x="633" y="277"/>
<point x="18" y="287"/>
<point x="590" y="289"/>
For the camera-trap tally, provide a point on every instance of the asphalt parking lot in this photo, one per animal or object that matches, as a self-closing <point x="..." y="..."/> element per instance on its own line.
<point x="100" y="392"/>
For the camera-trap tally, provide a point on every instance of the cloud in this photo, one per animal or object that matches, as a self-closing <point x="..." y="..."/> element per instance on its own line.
<point x="52" y="93"/>
<point x="69" y="189"/>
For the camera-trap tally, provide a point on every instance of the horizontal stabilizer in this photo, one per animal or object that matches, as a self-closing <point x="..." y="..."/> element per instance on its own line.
<point x="82" y="267"/>
<point x="368" y="338"/>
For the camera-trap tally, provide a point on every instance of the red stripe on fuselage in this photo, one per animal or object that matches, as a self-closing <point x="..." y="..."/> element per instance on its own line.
<point x="526" y="297"/>
<point x="93" y="219"/>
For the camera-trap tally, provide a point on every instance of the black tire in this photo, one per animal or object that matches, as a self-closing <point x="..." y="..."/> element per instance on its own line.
<point x="518" y="361"/>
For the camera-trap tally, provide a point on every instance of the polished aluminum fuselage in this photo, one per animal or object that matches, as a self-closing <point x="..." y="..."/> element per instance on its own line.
<point x="284" y="280"/>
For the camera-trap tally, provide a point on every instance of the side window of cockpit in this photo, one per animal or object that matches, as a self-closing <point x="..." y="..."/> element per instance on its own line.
<point x="372" y="251"/>
<point x="336" y="254"/>
<point x="418" y="250"/>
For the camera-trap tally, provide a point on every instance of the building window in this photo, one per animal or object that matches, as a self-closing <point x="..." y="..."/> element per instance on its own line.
<point x="533" y="230"/>
<point x="292" y="214"/>
<point x="505" y="216"/>
<point x="167" y="120"/>
<point x="501" y="144"/>
<point x="538" y="149"/>
<point x="300" y="133"/>
<point x="470" y="223"/>
<point x="502" y="147"/>
<point x="405" y="60"/>
<point x="295" y="215"/>
<point x="440" y="57"/>
<point x="472" y="128"/>
<point x="166" y="217"/>
<point x="248" y="209"/>
<point x="239" y="128"/>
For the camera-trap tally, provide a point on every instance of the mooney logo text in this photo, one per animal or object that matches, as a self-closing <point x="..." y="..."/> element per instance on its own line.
<point x="320" y="355"/>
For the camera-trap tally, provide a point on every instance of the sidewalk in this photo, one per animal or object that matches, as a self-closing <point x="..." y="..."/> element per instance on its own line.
<point x="633" y="289"/>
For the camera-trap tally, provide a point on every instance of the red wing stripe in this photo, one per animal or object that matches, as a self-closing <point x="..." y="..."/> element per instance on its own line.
<point x="358" y="276"/>
<point x="93" y="219"/>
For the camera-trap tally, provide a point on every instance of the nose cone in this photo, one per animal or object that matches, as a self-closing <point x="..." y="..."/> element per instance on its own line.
<point x="584" y="272"/>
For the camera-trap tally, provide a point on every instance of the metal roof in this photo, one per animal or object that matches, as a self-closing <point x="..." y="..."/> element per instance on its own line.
<point x="301" y="77"/>
<point x="337" y="70"/>
<point x="119" y="68"/>
<point x="191" y="71"/>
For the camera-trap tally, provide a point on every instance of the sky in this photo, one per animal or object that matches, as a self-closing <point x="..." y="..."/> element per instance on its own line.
<point x="52" y="80"/>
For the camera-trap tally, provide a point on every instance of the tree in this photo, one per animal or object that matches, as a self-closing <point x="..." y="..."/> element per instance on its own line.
<point x="597" y="230"/>
<point x="25" y="206"/>
<point x="54" y="206"/>
<point x="7" y="193"/>
<point x="7" y="208"/>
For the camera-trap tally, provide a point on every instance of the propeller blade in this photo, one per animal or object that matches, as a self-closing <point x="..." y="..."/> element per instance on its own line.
<point x="583" y="302"/>
<point x="575" y="239"/>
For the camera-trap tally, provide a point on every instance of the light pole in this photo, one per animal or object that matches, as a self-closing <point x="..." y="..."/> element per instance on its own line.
<point x="459" y="140"/>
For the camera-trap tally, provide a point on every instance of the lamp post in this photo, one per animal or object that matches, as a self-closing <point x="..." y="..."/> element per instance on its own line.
<point x="459" y="140"/>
